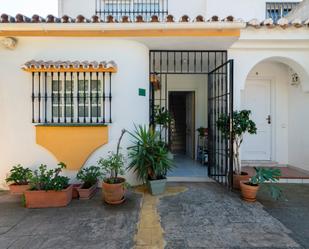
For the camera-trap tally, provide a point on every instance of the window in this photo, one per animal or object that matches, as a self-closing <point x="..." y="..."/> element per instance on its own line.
<point x="71" y="95"/>
<point x="277" y="10"/>
<point x="132" y="8"/>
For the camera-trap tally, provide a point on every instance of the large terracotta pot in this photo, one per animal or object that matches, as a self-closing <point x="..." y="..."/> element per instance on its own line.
<point x="87" y="193"/>
<point x="47" y="199"/>
<point x="18" y="189"/>
<point x="114" y="193"/>
<point x="237" y="178"/>
<point x="248" y="192"/>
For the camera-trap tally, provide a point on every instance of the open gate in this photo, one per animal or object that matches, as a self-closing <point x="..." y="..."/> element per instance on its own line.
<point x="220" y="102"/>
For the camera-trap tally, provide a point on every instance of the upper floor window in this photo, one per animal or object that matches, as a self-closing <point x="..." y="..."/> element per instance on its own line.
<point x="131" y="8"/>
<point x="275" y="10"/>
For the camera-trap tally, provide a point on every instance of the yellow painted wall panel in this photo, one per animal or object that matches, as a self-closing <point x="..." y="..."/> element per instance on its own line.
<point x="72" y="144"/>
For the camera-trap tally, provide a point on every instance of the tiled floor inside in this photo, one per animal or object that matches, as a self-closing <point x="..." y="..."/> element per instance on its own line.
<point x="187" y="167"/>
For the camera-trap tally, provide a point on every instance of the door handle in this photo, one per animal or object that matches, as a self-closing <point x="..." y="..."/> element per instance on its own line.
<point x="268" y="119"/>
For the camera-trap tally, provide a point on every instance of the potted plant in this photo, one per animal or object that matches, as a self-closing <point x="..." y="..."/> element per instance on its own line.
<point x="162" y="117"/>
<point x="48" y="188"/>
<point x="150" y="159"/>
<point x="19" y="179"/>
<point x="242" y="124"/>
<point x="250" y="188"/>
<point x="113" y="185"/>
<point x="202" y="131"/>
<point x="89" y="177"/>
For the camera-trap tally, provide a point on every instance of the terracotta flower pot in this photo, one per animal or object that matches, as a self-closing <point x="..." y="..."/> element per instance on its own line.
<point x="47" y="199"/>
<point x="248" y="192"/>
<point x="75" y="191"/>
<point x="114" y="193"/>
<point x="18" y="189"/>
<point x="87" y="193"/>
<point x="237" y="178"/>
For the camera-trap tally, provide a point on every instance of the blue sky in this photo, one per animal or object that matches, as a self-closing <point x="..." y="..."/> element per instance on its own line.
<point x="29" y="7"/>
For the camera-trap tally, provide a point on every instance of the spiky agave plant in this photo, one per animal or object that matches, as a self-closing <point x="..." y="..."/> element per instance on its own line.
<point x="149" y="157"/>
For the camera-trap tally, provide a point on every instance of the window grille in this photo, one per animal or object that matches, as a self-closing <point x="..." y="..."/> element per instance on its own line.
<point x="275" y="10"/>
<point x="71" y="92"/>
<point x="131" y="8"/>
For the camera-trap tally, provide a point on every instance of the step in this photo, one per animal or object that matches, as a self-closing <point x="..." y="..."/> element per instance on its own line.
<point x="257" y="163"/>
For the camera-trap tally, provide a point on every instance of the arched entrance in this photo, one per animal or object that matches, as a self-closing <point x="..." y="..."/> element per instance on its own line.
<point x="275" y="92"/>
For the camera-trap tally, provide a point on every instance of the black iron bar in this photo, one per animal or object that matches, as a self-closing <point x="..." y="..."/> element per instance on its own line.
<point x="58" y="92"/>
<point x="32" y="97"/>
<point x="78" y="95"/>
<point x="65" y="96"/>
<point x="52" y="97"/>
<point x="110" y="97"/>
<point x="45" y="97"/>
<point x="97" y="96"/>
<point x="85" y="97"/>
<point x="72" y="104"/>
<point x="39" y="97"/>
<point x="90" y="93"/>
<point x="103" y="96"/>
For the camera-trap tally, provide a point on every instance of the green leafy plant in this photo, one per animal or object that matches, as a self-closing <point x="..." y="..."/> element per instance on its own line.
<point x="149" y="156"/>
<point x="242" y="124"/>
<point x="202" y="131"/>
<point x="19" y="175"/>
<point x="113" y="165"/>
<point x="267" y="175"/>
<point x="89" y="176"/>
<point x="49" y="179"/>
<point x="162" y="116"/>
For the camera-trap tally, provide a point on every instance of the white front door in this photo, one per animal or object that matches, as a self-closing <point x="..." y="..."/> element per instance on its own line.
<point x="256" y="97"/>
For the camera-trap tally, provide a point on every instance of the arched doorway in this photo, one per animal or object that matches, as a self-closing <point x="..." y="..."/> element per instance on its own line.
<point x="275" y="93"/>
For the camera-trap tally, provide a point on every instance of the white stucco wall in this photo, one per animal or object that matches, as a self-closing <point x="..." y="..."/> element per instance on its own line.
<point x="17" y="144"/>
<point x="290" y="137"/>
<point x="74" y="8"/>
<point x="244" y="9"/>
<point x="298" y="127"/>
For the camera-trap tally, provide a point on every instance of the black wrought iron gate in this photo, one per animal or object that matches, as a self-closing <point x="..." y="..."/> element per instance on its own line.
<point x="220" y="103"/>
<point x="215" y="66"/>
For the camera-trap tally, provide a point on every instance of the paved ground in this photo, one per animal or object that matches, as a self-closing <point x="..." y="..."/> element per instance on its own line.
<point x="82" y="225"/>
<point x="186" y="167"/>
<point x="206" y="216"/>
<point x="292" y="210"/>
<point x="203" y="216"/>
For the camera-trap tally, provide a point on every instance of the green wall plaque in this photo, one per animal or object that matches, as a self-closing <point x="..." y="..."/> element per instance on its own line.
<point x="142" y="92"/>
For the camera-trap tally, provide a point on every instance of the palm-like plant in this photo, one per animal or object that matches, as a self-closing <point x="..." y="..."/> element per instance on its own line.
<point x="149" y="156"/>
<point x="267" y="175"/>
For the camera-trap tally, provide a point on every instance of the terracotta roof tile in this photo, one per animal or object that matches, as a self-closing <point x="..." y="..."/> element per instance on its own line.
<point x="40" y="64"/>
<point x="268" y="23"/>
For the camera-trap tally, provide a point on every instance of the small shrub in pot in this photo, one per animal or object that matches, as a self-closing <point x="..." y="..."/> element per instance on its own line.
<point x="113" y="185"/>
<point x="48" y="188"/>
<point x="19" y="178"/>
<point x="89" y="177"/>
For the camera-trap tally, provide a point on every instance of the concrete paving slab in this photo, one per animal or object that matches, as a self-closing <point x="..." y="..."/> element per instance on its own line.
<point x="88" y="224"/>
<point x="208" y="216"/>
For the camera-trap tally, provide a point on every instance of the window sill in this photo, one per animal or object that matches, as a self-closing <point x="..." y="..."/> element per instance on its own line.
<point x="71" y="125"/>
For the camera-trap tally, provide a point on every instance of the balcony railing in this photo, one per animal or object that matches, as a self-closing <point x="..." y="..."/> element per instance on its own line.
<point x="131" y="8"/>
<point x="275" y="10"/>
